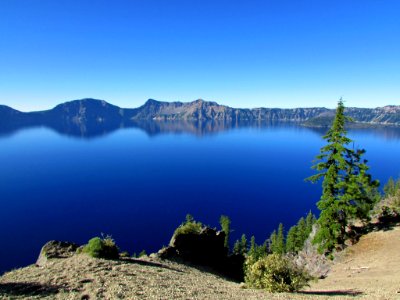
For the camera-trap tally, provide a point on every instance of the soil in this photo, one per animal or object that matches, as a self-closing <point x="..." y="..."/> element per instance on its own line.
<point x="368" y="270"/>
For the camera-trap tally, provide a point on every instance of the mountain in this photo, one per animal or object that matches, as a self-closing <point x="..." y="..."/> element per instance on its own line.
<point x="80" y="111"/>
<point x="362" y="117"/>
<point x="201" y="110"/>
<point x="92" y="117"/>
<point x="7" y="113"/>
<point x="204" y="110"/>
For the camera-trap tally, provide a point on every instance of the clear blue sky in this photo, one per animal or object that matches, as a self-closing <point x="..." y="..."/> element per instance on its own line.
<point x="240" y="53"/>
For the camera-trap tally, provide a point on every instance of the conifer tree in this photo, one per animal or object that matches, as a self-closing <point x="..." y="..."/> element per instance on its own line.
<point x="272" y="242"/>
<point x="301" y="233"/>
<point x="291" y="240"/>
<point x="310" y="220"/>
<point x="391" y="187"/>
<point x="278" y="241"/>
<point x="347" y="188"/>
<point x="256" y="252"/>
<point x="281" y="239"/>
<point x="361" y="192"/>
<point x="226" y="228"/>
<point x="240" y="246"/>
<point x="243" y="244"/>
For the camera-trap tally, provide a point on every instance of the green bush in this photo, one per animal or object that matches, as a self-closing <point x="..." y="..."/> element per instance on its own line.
<point x="102" y="248"/>
<point x="124" y="254"/>
<point x="276" y="273"/>
<point x="189" y="226"/>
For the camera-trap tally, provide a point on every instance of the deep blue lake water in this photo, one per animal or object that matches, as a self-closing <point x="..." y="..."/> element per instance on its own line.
<point x="138" y="185"/>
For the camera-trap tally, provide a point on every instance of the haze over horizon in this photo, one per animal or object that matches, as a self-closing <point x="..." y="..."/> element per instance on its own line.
<point x="256" y="54"/>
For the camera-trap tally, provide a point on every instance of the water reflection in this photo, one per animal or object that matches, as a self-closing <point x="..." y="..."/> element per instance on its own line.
<point x="94" y="129"/>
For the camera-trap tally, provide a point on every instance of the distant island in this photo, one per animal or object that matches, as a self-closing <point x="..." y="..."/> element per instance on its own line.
<point x="98" y="116"/>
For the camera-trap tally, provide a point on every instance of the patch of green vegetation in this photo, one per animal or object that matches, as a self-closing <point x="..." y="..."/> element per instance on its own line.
<point x="299" y="233"/>
<point x="124" y="254"/>
<point x="225" y="223"/>
<point x="241" y="246"/>
<point x="190" y="226"/>
<point x="392" y="193"/>
<point x="104" y="247"/>
<point x="275" y="273"/>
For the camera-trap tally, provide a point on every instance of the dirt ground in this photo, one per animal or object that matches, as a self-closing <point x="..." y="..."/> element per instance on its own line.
<point x="368" y="270"/>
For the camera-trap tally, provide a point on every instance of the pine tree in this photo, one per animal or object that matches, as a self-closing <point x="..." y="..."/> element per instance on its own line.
<point x="243" y="244"/>
<point x="310" y="221"/>
<point x="240" y="246"/>
<point x="390" y="187"/>
<point x="253" y="246"/>
<point x="281" y="239"/>
<point x="226" y="228"/>
<point x="278" y="241"/>
<point x="347" y="188"/>
<point x="361" y="191"/>
<point x="291" y="240"/>
<point x="301" y="233"/>
<point x="273" y="242"/>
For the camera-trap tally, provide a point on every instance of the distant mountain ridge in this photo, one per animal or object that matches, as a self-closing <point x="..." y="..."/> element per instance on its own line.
<point x="101" y="116"/>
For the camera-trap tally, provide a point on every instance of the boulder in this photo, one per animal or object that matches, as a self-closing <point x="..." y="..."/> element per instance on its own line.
<point x="316" y="264"/>
<point x="55" y="249"/>
<point x="204" y="248"/>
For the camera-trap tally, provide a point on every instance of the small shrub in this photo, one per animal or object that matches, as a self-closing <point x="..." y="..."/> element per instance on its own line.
<point x="388" y="214"/>
<point x="189" y="226"/>
<point x="276" y="273"/>
<point x="124" y="254"/>
<point x="101" y="248"/>
<point x="142" y="253"/>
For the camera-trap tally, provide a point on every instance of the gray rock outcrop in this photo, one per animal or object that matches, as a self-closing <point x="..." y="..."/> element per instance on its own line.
<point x="55" y="249"/>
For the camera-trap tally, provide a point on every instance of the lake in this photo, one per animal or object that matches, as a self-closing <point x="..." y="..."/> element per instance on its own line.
<point x="138" y="183"/>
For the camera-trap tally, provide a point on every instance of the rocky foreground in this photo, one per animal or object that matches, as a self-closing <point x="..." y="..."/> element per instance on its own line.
<point x="83" y="277"/>
<point x="367" y="270"/>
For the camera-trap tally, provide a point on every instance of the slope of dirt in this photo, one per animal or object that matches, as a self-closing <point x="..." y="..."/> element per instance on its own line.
<point x="83" y="277"/>
<point x="369" y="269"/>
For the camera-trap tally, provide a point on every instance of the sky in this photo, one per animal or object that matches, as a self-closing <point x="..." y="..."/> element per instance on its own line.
<point x="249" y="53"/>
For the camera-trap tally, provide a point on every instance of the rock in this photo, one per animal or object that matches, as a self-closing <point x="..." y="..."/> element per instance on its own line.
<point x="167" y="253"/>
<point x="316" y="264"/>
<point x="204" y="249"/>
<point x="56" y="249"/>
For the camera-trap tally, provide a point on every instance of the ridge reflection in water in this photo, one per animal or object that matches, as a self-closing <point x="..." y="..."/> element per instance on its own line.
<point x="94" y="129"/>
